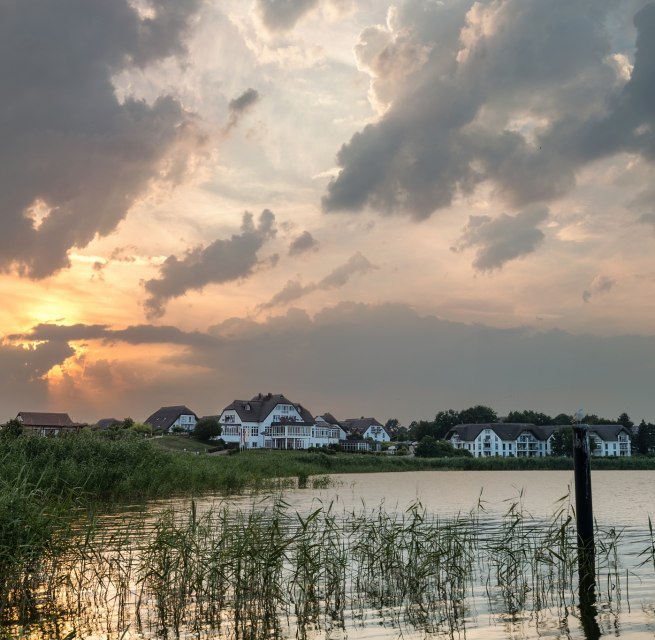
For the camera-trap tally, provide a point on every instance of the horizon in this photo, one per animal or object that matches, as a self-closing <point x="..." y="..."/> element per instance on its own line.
<point x="383" y="208"/>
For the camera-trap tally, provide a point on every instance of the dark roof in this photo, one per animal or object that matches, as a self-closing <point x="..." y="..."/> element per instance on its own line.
<point x="258" y="408"/>
<point x="166" y="416"/>
<point x="107" y="423"/>
<point x="511" y="431"/>
<point x="359" y="425"/>
<point x="504" y="430"/>
<point x="37" y="419"/>
<point x="607" y="432"/>
<point x="329" y="418"/>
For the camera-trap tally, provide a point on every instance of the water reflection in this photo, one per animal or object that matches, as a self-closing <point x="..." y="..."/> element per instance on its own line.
<point x="376" y="556"/>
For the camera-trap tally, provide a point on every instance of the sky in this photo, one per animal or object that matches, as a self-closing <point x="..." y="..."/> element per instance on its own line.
<point x="377" y="209"/>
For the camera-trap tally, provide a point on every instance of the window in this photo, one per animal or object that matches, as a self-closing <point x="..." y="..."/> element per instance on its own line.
<point x="254" y="431"/>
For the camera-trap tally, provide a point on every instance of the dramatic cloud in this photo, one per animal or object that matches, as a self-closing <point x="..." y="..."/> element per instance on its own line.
<point x="22" y="374"/>
<point x="503" y="238"/>
<point x="389" y="361"/>
<point x="135" y="335"/>
<point x="73" y="157"/>
<point x="239" y="106"/>
<point x="302" y="243"/>
<point x="293" y="290"/>
<point x="600" y="284"/>
<point x="350" y="359"/>
<point x="514" y="94"/>
<point x="221" y="261"/>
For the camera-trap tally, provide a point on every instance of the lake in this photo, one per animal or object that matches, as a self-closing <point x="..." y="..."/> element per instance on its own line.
<point x="412" y="555"/>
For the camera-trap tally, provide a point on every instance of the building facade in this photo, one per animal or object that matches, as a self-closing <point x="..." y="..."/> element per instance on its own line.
<point x="272" y="421"/>
<point x="532" y="441"/>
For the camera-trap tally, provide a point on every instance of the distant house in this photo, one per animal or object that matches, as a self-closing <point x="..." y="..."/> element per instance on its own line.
<point x="107" y="423"/>
<point x="47" y="424"/>
<point x="272" y="421"/>
<point x="172" y="419"/>
<point x="328" y="418"/>
<point x="367" y="428"/>
<point x="528" y="440"/>
<point x="610" y="440"/>
<point x="501" y="439"/>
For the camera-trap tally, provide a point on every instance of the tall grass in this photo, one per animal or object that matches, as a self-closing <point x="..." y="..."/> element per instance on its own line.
<point x="269" y="571"/>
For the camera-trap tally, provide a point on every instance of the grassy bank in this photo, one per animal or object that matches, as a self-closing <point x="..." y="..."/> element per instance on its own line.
<point x="89" y="468"/>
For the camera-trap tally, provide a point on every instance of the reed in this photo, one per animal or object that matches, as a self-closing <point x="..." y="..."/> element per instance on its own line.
<point x="249" y="573"/>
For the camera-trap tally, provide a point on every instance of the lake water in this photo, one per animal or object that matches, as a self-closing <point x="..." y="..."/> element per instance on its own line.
<point x="625" y="606"/>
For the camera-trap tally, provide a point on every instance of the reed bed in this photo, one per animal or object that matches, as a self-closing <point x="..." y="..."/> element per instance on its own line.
<point x="270" y="572"/>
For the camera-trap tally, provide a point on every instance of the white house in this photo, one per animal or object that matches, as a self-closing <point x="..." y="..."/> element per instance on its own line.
<point x="610" y="440"/>
<point x="529" y="440"/>
<point x="172" y="419"/>
<point x="367" y="428"/>
<point x="272" y="421"/>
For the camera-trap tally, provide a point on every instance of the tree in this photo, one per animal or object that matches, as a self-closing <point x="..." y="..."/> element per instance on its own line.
<point x="624" y="419"/>
<point x="421" y="429"/>
<point x="12" y="429"/>
<point x="529" y="417"/>
<point x="479" y="414"/>
<point x="444" y="421"/>
<point x="592" y="418"/>
<point x="645" y="440"/>
<point x="206" y="429"/>
<point x="429" y="447"/>
<point x="562" y="418"/>
<point x="561" y="443"/>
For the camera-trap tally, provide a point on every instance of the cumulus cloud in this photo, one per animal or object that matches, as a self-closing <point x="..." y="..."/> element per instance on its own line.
<point x="74" y="158"/>
<point x="294" y="290"/>
<point x="221" y="261"/>
<point x="238" y="106"/>
<point x="515" y="94"/>
<point x="302" y="244"/>
<point x="282" y="15"/>
<point x="279" y="16"/>
<point x="600" y="284"/>
<point x="499" y="240"/>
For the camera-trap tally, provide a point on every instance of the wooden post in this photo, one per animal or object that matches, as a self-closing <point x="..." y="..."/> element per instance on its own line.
<point x="585" y="528"/>
<point x="582" y="473"/>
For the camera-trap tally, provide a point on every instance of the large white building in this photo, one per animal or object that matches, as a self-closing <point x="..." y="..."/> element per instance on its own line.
<point x="529" y="440"/>
<point x="272" y="421"/>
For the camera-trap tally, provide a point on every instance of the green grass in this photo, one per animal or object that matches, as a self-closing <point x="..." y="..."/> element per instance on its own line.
<point x="180" y="443"/>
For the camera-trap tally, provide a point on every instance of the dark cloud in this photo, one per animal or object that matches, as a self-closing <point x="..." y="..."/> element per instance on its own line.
<point x="239" y="106"/>
<point x="73" y="157"/>
<point x="351" y="359"/>
<point x="135" y="334"/>
<point x="282" y="15"/>
<point x="293" y="290"/>
<point x="504" y="238"/>
<point x="387" y="360"/>
<point x="600" y="284"/>
<point x="302" y="243"/>
<point x="518" y="94"/>
<point x="221" y="261"/>
<point x="23" y="386"/>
